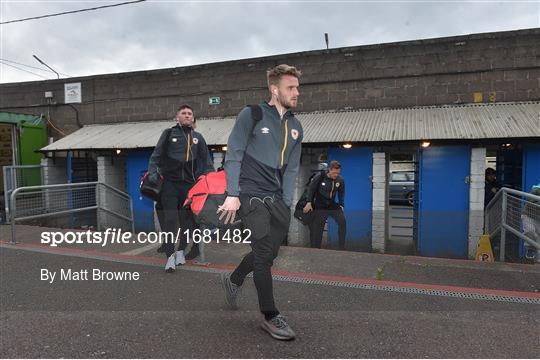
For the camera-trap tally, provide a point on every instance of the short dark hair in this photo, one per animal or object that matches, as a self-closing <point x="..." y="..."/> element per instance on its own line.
<point x="185" y="106"/>
<point x="491" y="171"/>
<point x="334" y="164"/>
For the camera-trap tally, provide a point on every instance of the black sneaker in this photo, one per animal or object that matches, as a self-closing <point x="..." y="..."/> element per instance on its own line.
<point x="278" y="328"/>
<point x="193" y="252"/>
<point x="231" y="290"/>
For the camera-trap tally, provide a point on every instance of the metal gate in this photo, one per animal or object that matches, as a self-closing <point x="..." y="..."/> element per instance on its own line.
<point x="517" y="213"/>
<point x="401" y="190"/>
<point x="113" y="207"/>
<point x="18" y="176"/>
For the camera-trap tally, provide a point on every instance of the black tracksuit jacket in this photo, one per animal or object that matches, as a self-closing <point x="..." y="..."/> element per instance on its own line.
<point x="263" y="157"/>
<point x="187" y="155"/>
<point x="322" y="191"/>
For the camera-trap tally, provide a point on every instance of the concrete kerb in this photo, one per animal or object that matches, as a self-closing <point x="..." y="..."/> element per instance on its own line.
<point x="306" y="278"/>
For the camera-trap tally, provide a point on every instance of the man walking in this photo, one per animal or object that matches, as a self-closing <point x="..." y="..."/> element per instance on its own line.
<point x="492" y="185"/>
<point x="321" y="197"/>
<point x="181" y="155"/>
<point x="262" y="161"/>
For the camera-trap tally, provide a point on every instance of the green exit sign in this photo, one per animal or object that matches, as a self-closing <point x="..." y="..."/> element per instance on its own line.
<point x="214" y="100"/>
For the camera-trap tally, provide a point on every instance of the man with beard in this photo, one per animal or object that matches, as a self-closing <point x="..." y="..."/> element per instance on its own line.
<point x="262" y="162"/>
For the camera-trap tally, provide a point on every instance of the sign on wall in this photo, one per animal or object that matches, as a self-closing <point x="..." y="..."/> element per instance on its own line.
<point x="72" y="93"/>
<point x="214" y="100"/>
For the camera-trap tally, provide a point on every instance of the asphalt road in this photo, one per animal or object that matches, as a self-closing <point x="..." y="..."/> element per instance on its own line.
<point x="183" y="315"/>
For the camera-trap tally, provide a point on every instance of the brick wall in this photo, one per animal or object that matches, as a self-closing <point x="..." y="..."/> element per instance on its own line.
<point x="503" y="65"/>
<point x="54" y="171"/>
<point x="112" y="173"/>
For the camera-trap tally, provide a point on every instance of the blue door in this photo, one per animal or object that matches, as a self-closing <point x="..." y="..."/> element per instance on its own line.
<point x="357" y="167"/>
<point x="143" y="208"/>
<point x="531" y="166"/>
<point x="530" y="176"/>
<point x="443" y="201"/>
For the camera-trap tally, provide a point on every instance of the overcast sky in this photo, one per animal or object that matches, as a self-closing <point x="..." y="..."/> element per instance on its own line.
<point x="161" y="34"/>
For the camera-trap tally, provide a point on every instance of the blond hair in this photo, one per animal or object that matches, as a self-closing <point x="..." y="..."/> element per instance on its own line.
<point x="274" y="75"/>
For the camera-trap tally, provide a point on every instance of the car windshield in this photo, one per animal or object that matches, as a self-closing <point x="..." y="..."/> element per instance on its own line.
<point x="402" y="176"/>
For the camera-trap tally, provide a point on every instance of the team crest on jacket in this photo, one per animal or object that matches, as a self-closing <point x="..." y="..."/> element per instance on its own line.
<point x="195" y="141"/>
<point x="294" y="134"/>
<point x="337" y="184"/>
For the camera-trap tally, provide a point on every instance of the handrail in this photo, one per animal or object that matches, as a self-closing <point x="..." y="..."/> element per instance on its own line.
<point x="72" y="186"/>
<point x="512" y="207"/>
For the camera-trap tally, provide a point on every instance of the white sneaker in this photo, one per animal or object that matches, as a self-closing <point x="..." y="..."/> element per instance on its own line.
<point x="180" y="258"/>
<point x="171" y="266"/>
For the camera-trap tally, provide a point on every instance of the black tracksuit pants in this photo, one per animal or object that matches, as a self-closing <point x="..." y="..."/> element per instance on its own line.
<point x="316" y="227"/>
<point x="171" y="214"/>
<point x="268" y="221"/>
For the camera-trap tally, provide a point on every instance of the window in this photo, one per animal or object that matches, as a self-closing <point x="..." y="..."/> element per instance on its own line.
<point x="399" y="177"/>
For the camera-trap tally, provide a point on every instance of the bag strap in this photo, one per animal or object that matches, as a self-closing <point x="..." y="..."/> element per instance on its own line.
<point x="256" y="115"/>
<point x="165" y="149"/>
<point x="322" y="173"/>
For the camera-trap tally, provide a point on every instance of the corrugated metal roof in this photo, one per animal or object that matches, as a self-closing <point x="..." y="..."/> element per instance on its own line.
<point x="471" y="121"/>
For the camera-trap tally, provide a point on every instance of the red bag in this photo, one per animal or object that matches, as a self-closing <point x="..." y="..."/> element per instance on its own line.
<point x="211" y="183"/>
<point x="205" y="196"/>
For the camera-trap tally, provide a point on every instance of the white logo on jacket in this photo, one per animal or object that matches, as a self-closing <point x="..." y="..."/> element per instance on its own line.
<point x="174" y="139"/>
<point x="195" y="141"/>
<point x="294" y="134"/>
<point x="337" y="184"/>
<point x="265" y="130"/>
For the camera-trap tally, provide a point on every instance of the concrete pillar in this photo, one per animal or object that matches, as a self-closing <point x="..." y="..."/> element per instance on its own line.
<point x="54" y="171"/>
<point x="476" y="198"/>
<point x="111" y="172"/>
<point x="299" y="233"/>
<point x="378" y="222"/>
<point x="218" y="159"/>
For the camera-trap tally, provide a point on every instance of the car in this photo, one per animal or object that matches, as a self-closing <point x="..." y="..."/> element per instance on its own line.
<point x="401" y="187"/>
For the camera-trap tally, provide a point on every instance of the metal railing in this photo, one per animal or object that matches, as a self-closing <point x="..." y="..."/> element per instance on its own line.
<point x="16" y="176"/>
<point x="113" y="207"/>
<point x="516" y="212"/>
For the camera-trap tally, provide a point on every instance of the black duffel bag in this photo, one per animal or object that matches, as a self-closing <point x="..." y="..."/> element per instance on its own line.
<point x="152" y="181"/>
<point x="151" y="184"/>
<point x="304" y="218"/>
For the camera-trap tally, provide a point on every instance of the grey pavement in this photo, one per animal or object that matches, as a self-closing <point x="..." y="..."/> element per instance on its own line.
<point x="439" y="271"/>
<point x="183" y="315"/>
